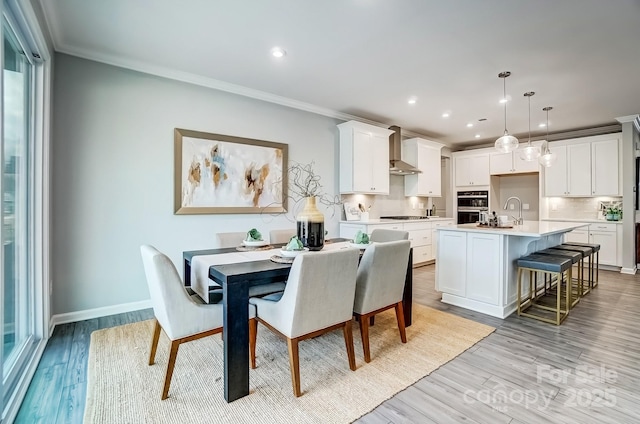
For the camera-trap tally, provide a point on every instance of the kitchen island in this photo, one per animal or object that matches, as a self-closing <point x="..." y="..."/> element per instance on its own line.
<point x="476" y="266"/>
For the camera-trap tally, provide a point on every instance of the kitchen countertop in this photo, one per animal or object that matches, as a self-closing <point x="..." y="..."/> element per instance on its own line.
<point x="395" y="221"/>
<point x="528" y="229"/>
<point x="590" y="221"/>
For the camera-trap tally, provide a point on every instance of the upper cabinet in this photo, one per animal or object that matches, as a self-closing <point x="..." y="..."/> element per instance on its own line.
<point x="424" y="155"/>
<point x="511" y="163"/>
<point x="364" y="158"/>
<point x="471" y="169"/>
<point x="587" y="166"/>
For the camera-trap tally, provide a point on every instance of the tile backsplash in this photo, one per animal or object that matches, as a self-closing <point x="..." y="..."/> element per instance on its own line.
<point x="576" y="207"/>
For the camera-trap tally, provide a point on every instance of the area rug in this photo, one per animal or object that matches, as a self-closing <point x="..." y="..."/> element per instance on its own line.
<point x="122" y="388"/>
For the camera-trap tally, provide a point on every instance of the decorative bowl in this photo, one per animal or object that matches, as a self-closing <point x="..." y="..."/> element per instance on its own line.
<point x="292" y="253"/>
<point x="254" y="243"/>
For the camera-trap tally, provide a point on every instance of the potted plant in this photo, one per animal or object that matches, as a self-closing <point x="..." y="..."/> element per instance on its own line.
<point x="613" y="213"/>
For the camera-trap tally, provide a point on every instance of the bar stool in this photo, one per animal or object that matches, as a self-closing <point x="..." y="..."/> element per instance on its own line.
<point x="594" y="266"/>
<point x="557" y="266"/>
<point x="576" y="258"/>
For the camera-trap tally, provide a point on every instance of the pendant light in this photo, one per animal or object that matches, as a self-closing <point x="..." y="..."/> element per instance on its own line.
<point x="507" y="143"/>
<point x="531" y="152"/>
<point x="547" y="158"/>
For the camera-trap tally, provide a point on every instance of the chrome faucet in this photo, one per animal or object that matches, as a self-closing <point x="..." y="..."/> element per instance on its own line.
<point x="518" y="220"/>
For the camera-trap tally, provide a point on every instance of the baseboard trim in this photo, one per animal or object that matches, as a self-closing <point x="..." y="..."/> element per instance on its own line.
<point x="630" y="271"/>
<point x="98" y="312"/>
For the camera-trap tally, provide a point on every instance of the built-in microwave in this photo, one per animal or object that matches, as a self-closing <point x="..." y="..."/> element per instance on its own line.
<point x="470" y="204"/>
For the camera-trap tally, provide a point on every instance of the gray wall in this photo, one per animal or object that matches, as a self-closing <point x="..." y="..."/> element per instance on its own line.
<point x="112" y="183"/>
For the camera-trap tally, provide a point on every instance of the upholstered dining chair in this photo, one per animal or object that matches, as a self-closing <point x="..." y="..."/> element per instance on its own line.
<point x="182" y="317"/>
<point x="379" y="286"/>
<point x="383" y="235"/>
<point x="281" y="236"/>
<point x="318" y="299"/>
<point x="234" y="239"/>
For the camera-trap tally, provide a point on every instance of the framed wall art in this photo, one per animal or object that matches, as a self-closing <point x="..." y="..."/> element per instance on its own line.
<point x="222" y="174"/>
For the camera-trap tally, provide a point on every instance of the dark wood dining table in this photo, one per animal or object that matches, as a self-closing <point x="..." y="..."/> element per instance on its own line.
<point x="235" y="279"/>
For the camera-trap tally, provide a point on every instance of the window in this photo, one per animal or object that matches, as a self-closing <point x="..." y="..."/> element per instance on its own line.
<point x="22" y="291"/>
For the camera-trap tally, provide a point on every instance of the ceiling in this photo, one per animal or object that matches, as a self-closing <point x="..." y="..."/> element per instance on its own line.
<point x="366" y="58"/>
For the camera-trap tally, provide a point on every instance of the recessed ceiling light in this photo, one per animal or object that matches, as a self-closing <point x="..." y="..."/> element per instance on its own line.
<point x="503" y="101"/>
<point x="412" y="101"/>
<point x="445" y="115"/>
<point x="469" y="125"/>
<point x="278" y="52"/>
<point x="477" y="135"/>
<point x="542" y="125"/>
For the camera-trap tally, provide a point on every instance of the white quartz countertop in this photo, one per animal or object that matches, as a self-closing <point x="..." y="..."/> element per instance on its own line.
<point x="395" y="221"/>
<point x="590" y="221"/>
<point x="528" y="229"/>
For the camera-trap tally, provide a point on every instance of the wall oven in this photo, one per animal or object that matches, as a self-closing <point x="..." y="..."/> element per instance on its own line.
<point x="470" y="204"/>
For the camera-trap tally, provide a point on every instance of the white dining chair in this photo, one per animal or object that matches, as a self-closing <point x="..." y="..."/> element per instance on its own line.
<point x="233" y="239"/>
<point x="183" y="318"/>
<point x="383" y="235"/>
<point x="281" y="236"/>
<point x="380" y="285"/>
<point x="318" y="299"/>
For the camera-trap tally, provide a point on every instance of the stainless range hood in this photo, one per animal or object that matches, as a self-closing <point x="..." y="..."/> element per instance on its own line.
<point x="396" y="165"/>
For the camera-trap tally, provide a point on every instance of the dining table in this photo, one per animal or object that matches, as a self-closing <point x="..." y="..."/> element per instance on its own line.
<point x="235" y="270"/>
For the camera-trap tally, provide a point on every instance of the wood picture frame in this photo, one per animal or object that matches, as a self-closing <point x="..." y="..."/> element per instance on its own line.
<point x="223" y="174"/>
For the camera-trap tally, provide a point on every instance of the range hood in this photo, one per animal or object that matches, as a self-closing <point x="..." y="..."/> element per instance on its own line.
<point x="396" y="165"/>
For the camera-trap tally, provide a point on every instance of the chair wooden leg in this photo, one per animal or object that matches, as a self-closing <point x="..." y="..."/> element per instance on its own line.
<point x="348" y="341"/>
<point x="364" y="335"/>
<point x="175" y="344"/>
<point x="400" y="317"/>
<point x="294" y="364"/>
<point x="253" y="334"/>
<point x="154" y="343"/>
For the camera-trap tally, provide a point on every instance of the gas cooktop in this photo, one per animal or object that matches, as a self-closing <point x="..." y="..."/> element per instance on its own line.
<point x="405" y="217"/>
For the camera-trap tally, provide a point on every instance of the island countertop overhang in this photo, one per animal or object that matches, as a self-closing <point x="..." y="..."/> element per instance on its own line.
<point x="528" y="229"/>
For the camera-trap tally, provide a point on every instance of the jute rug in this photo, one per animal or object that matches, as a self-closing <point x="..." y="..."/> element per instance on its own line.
<point x="122" y="388"/>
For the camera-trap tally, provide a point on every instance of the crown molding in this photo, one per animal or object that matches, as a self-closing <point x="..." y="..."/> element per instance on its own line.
<point x="628" y="118"/>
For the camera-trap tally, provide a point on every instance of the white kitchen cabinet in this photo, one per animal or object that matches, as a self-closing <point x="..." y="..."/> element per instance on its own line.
<point x="434" y="234"/>
<point x="364" y="158"/>
<point x="604" y="168"/>
<point x="483" y="267"/>
<point x="424" y="155"/>
<point x="348" y="230"/>
<point x="588" y="166"/>
<point x="471" y="170"/>
<point x="511" y="163"/>
<point x="570" y="175"/>
<point x="421" y="240"/>
<point x="577" y="236"/>
<point x="606" y="236"/>
<point x="451" y="269"/>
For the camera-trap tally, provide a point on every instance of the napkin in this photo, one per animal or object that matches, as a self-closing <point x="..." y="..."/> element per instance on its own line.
<point x="253" y="235"/>
<point x="294" y="244"/>
<point x="361" y="238"/>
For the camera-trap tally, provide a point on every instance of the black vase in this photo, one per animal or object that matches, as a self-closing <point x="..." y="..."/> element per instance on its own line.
<point x="310" y="224"/>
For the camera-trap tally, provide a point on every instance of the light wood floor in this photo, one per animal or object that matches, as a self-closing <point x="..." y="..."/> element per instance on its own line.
<point x="585" y="371"/>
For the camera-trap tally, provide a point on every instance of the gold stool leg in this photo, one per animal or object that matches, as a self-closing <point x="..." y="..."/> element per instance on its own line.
<point x="519" y="290"/>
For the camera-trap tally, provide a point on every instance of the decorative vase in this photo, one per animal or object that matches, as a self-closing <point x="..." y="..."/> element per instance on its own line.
<point x="310" y="224"/>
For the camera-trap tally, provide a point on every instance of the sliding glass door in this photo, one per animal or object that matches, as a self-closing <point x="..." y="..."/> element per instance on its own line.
<point x="22" y="294"/>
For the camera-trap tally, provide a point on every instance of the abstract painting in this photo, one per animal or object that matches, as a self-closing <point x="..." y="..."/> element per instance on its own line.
<point x="223" y="174"/>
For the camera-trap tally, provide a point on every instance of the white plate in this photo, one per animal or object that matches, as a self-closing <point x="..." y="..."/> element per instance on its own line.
<point x="292" y="253"/>
<point x="255" y="243"/>
<point x="360" y="245"/>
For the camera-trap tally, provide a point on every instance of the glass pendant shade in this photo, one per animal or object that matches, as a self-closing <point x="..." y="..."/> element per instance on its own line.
<point x="507" y="143"/>
<point x="530" y="153"/>
<point x="547" y="158"/>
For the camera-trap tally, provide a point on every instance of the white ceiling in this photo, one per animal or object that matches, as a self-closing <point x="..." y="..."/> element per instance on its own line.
<point x="365" y="58"/>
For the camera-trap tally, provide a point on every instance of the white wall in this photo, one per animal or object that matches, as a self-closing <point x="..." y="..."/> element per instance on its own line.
<point x="113" y="174"/>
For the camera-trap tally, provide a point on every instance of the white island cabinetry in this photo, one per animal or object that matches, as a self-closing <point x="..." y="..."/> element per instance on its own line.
<point x="476" y="267"/>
